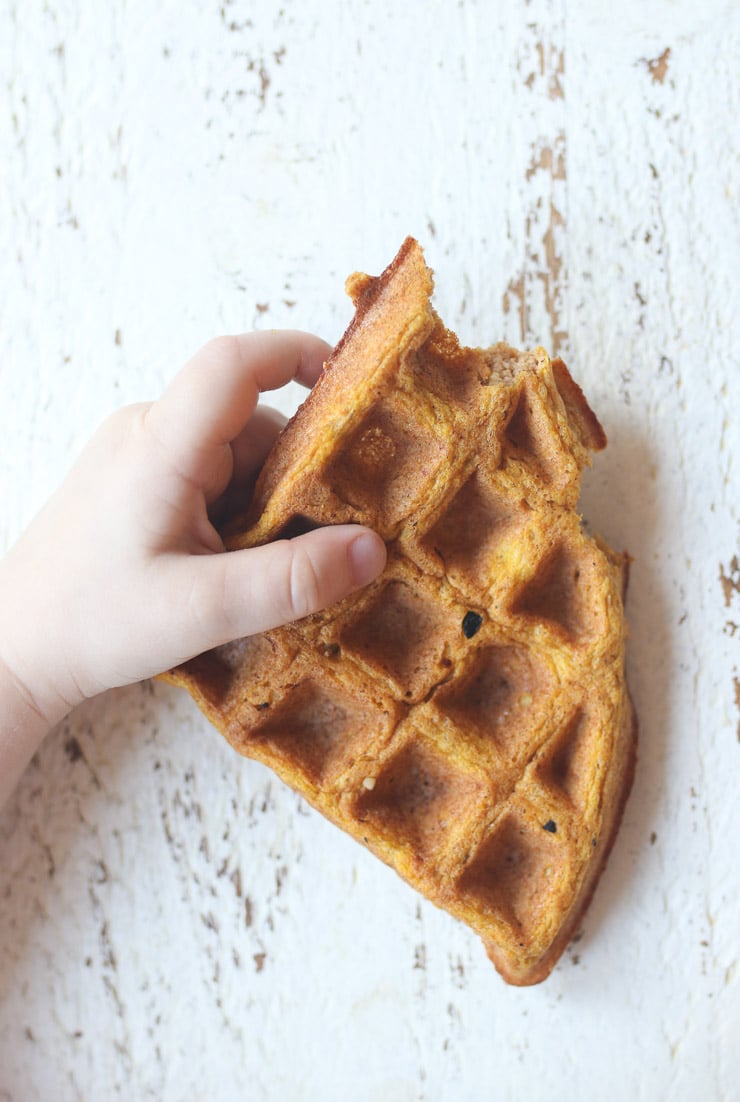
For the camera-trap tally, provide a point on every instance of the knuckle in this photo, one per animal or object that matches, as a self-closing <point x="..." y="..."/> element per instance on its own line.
<point x="118" y="424"/>
<point x="304" y="584"/>
<point x="207" y="609"/>
<point x="221" y="348"/>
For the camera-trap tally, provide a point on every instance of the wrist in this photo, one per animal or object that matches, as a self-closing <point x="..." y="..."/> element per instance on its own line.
<point x="29" y="651"/>
<point x="29" y="703"/>
<point x="22" y="729"/>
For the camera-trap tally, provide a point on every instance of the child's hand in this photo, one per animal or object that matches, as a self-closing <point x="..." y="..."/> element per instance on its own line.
<point x="123" y="575"/>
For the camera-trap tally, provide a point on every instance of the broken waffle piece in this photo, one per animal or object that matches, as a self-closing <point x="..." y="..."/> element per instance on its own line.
<point x="465" y="716"/>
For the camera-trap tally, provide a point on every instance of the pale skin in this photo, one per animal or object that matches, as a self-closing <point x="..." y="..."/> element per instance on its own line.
<point x="123" y="573"/>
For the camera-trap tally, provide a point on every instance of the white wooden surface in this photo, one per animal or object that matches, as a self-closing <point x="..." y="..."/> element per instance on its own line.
<point x="174" y="923"/>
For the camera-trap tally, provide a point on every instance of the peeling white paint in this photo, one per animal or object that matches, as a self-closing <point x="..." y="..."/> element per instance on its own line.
<point x="175" y="923"/>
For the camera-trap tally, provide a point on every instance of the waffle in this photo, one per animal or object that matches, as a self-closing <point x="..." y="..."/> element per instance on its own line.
<point x="465" y="716"/>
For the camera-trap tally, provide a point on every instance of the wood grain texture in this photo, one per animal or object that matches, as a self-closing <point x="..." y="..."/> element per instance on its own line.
<point x="175" y="923"/>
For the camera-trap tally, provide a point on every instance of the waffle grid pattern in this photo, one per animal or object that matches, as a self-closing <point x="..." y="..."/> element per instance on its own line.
<point x="458" y="715"/>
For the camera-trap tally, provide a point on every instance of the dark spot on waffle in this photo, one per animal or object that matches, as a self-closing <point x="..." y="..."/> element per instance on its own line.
<point x="550" y="825"/>
<point x="261" y="707"/>
<point x="471" y="624"/>
<point x="513" y="871"/>
<point x="329" y="650"/>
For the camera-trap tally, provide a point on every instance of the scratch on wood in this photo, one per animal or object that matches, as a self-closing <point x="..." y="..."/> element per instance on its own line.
<point x="550" y="277"/>
<point x="516" y="288"/>
<point x="557" y="70"/>
<point x="108" y="954"/>
<point x="280" y="876"/>
<point x="264" y="84"/>
<point x="73" y="750"/>
<point x="210" y="921"/>
<point x="554" y="163"/>
<point x="457" y="970"/>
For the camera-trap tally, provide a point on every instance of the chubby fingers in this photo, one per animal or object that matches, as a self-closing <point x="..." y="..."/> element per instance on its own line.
<point x="213" y="397"/>
<point x="231" y="495"/>
<point x="245" y="592"/>
<point x="252" y="446"/>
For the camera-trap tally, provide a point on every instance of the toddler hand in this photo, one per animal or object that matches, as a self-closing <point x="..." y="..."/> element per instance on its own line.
<point x="123" y="574"/>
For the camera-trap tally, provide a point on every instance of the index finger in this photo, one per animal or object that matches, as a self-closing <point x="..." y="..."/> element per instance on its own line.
<point x="213" y="397"/>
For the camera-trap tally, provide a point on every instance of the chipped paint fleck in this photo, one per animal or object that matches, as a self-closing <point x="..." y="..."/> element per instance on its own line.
<point x="658" y="66"/>
<point x="730" y="581"/>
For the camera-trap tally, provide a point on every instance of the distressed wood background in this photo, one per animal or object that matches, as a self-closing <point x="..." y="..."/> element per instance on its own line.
<point x="174" y="923"/>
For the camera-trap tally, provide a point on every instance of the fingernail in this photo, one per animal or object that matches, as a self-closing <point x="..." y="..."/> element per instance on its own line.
<point x="366" y="555"/>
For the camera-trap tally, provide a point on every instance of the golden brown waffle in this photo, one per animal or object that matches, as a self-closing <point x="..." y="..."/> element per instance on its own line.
<point x="466" y="716"/>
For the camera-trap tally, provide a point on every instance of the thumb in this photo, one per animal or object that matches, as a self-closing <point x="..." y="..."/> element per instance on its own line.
<point x="245" y="592"/>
